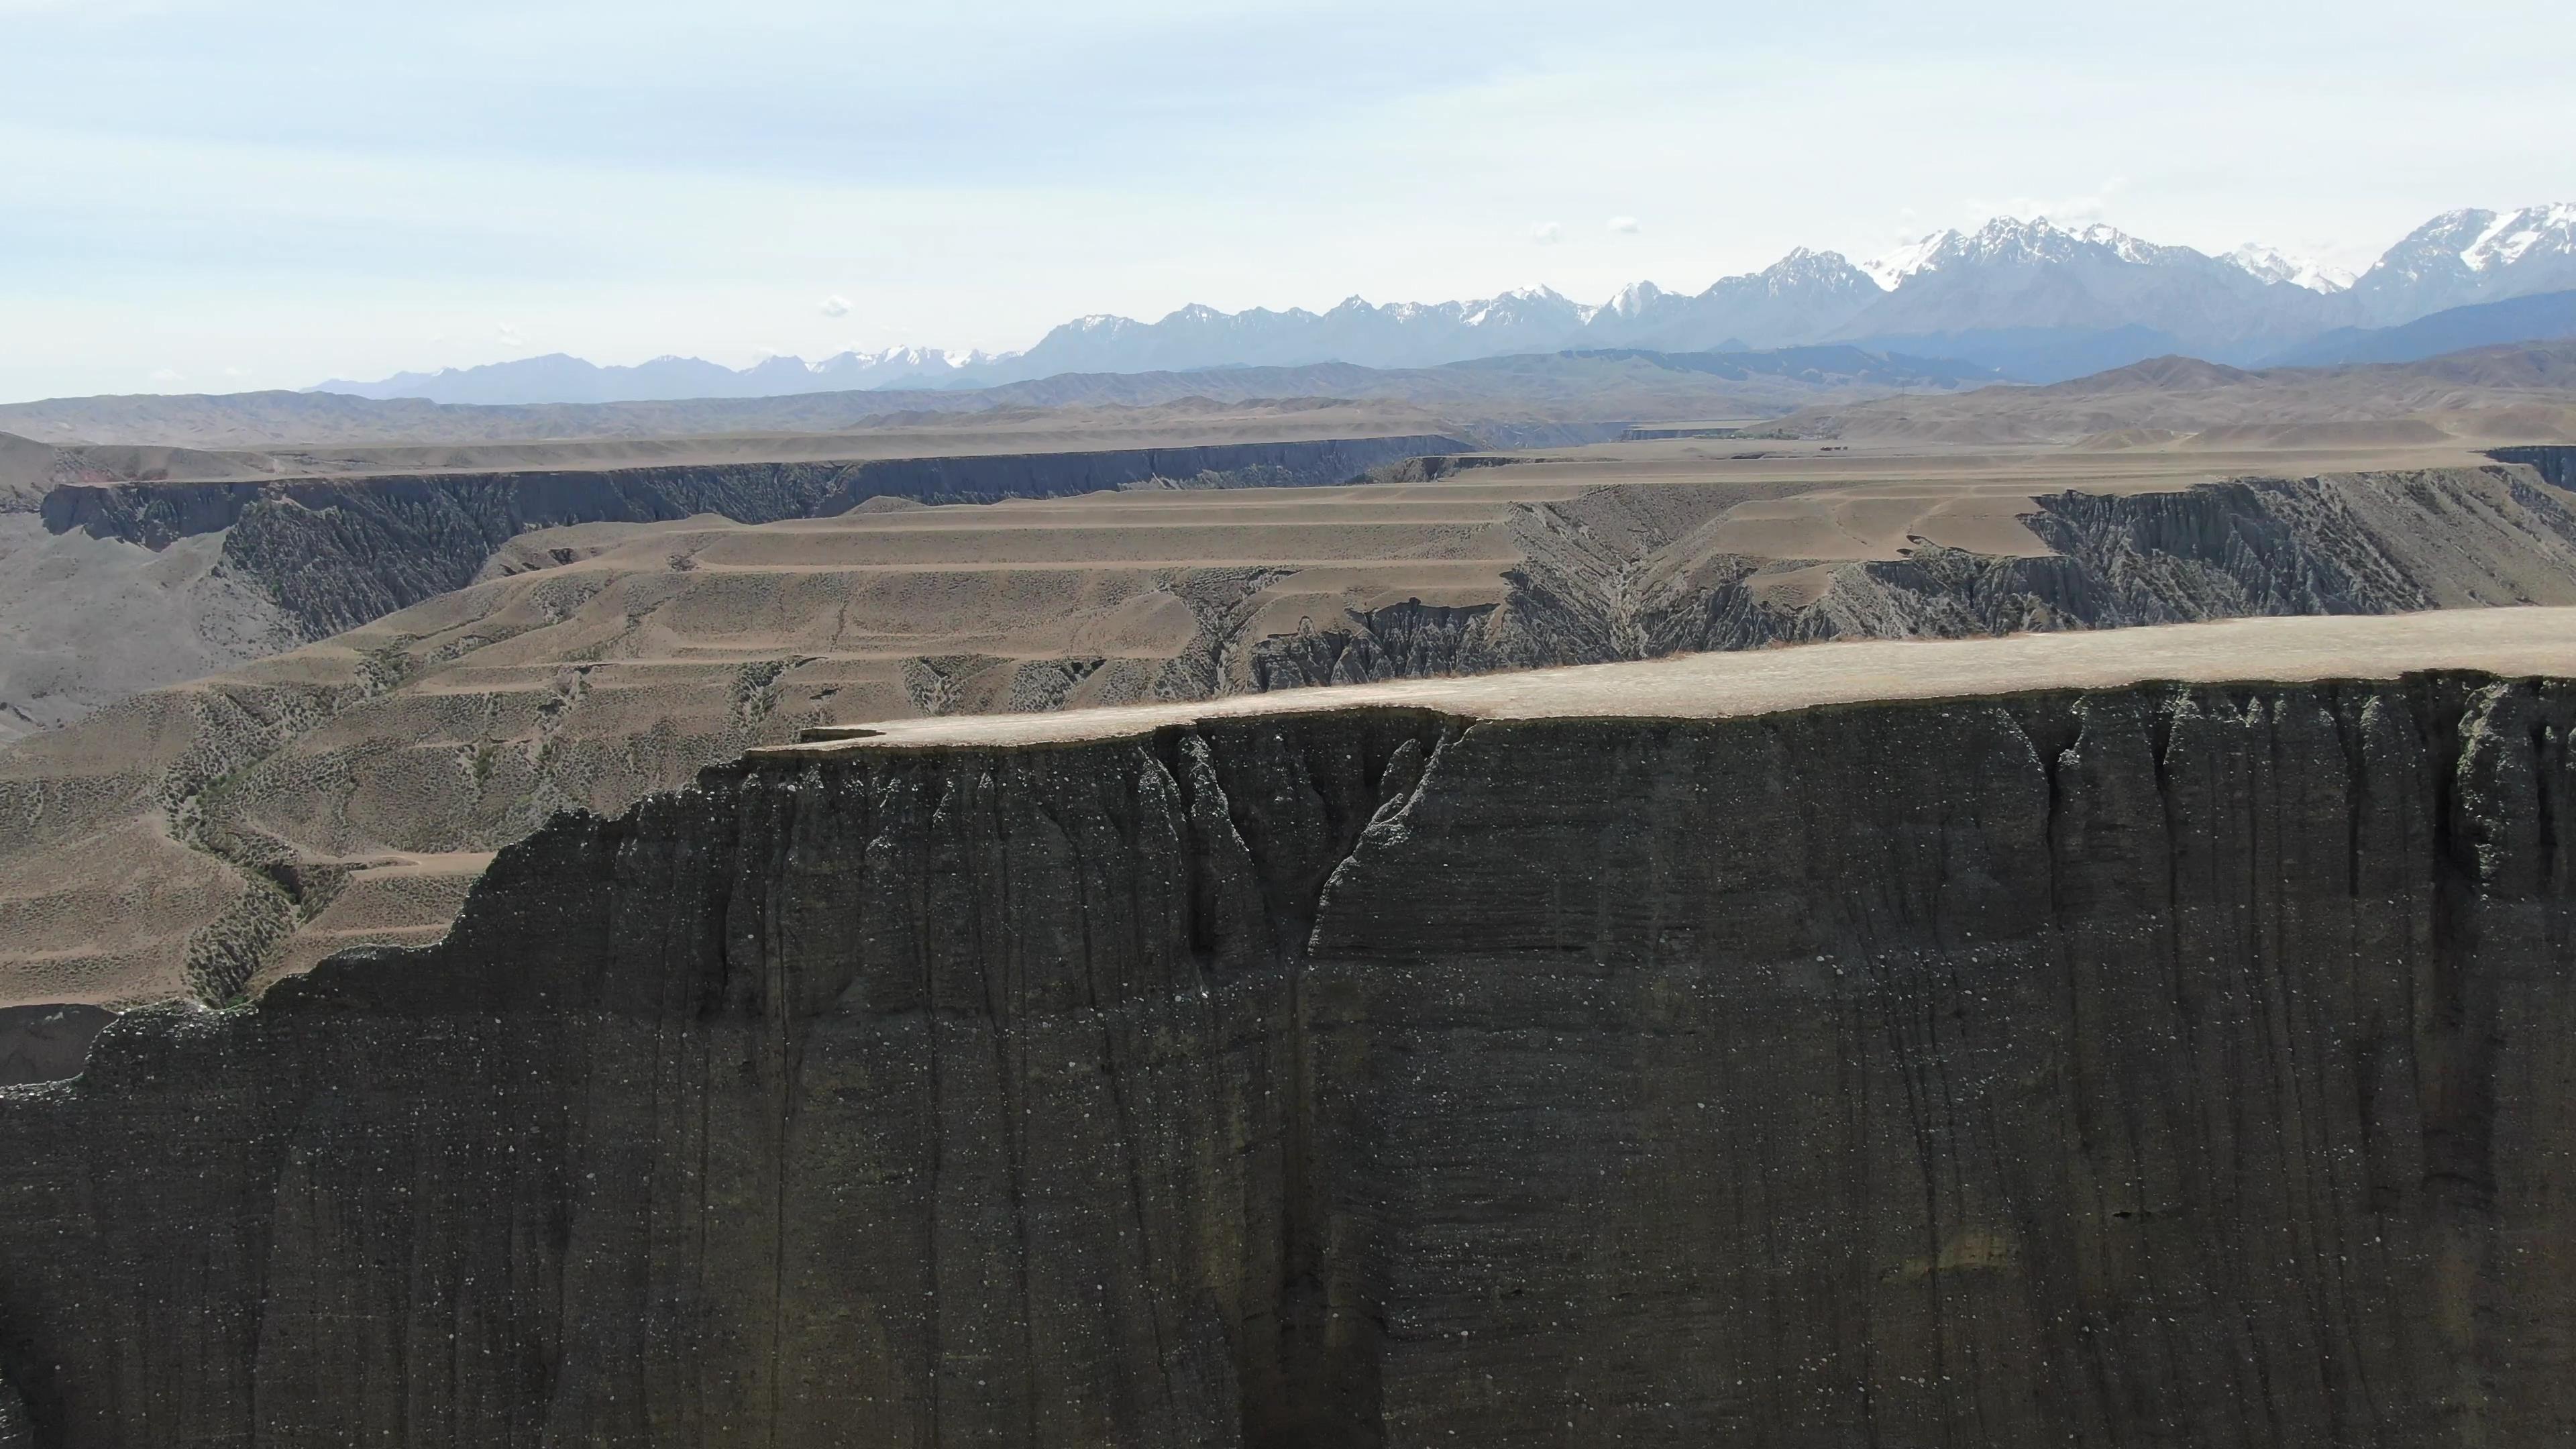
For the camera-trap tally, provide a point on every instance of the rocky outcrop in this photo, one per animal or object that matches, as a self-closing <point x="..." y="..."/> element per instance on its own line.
<point x="2164" y="1065"/>
<point x="2371" y="543"/>
<point x="338" y="552"/>
<point x="2553" y="461"/>
<point x="432" y="734"/>
<point x="45" y="1044"/>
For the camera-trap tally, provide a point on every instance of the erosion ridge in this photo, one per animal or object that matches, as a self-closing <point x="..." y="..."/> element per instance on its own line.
<point x="2141" y="1063"/>
<point x="2370" y="543"/>
<point x="109" y="587"/>
<point x="337" y="552"/>
<point x="207" y="839"/>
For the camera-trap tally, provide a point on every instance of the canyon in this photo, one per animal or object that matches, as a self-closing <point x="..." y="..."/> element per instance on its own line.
<point x="1958" y="843"/>
<point x="1351" y="937"/>
<point x="110" y="585"/>
<point x="2150" y="1036"/>
<point x="207" y="839"/>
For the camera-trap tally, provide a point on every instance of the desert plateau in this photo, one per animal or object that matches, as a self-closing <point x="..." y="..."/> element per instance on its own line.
<point x="454" y="697"/>
<point x="1841" y="806"/>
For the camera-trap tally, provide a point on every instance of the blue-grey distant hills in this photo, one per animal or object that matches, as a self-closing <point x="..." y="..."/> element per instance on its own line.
<point x="2542" y="318"/>
<point x="2030" y="299"/>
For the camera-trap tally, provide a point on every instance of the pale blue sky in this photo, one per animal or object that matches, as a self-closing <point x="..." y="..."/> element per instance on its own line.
<point x="213" y="196"/>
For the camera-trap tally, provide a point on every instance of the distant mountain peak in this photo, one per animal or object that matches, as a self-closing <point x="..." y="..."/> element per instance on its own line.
<point x="1531" y="304"/>
<point x="2271" y="264"/>
<point x="2469" y="256"/>
<point x="2513" y="236"/>
<point x="916" y="358"/>
<point x="2034" y="296"/>
<point x="2013" y="239"/>
<point x="2010" y="241"/>
<point x="2128" y="248"/>
<point x="1806" y="262"/>
<point x="2002" y="241"/>
<point x="1634" y="300"/>
<point x="1891" y="269"/>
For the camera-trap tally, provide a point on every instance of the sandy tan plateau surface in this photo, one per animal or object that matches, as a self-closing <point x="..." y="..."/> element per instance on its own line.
<point x="2522" y="642"/>
<point x="349" y="791"/>
<point x="29" y="465"/>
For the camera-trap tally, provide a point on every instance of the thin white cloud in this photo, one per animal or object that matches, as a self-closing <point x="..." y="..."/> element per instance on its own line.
<point x="168" y="374"/>
<point x="836" y="306"/>
<point x="507" y="334"/>
<point x="1547" y="233"/>
<point x="1626" y="225"/>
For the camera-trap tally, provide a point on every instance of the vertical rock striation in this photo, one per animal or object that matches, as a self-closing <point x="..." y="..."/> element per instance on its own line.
<point x="2362" y="543"/>
<point x="2156" y="1066"/>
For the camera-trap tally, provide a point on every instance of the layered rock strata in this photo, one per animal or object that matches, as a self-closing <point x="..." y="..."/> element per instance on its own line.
<point x="2094" y="1062"/>
<point x="2359" y="543"/>
<point x="337" y="552"/>
<point x="198" y="840"/>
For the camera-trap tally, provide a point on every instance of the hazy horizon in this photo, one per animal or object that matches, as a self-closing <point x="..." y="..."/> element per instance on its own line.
<point x="285" y="192"/>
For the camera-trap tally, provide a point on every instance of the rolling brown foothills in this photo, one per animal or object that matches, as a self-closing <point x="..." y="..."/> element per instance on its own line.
<point x="206" y="839"/>
<point x="2511" y="394"/>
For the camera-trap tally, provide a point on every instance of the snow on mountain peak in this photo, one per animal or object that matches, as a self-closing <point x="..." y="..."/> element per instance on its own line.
<point x="2509" y="238"/>
<point x="1514" y="305"/>
<point x="1806" y="262"/>
<point x="2123" y="245"/>
<point x="901" y="359"/>
<point x="2473" y="255"/>
<point x="1633" y="299"/>
<point x="1915" y="256"/>
<point x="2271" y="264"/>
<point x="2009" y="238"/>
<point x="2009" y="241"/>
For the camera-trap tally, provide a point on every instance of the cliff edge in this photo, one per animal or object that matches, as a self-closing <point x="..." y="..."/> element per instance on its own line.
<point x="1989" y="1043"/>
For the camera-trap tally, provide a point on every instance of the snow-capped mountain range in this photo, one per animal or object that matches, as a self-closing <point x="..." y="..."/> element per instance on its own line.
<point x="2271" y="264"/>
<point x="2035" y="299"/>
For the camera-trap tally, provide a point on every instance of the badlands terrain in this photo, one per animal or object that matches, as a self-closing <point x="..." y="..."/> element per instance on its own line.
<point x="505" y="645"/>
<point x="2151" y="1036"/>
<point x="1759" y="908"/>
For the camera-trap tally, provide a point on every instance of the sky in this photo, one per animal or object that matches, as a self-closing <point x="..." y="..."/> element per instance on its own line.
<point x="209" y="197"/>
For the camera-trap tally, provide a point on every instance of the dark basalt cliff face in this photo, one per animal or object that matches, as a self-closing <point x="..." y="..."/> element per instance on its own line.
<point x="2553" y="461"/>
<point x="2165" y="1066"/>
<point x="338" y="552"/>
<point x="46" y="1044"/>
